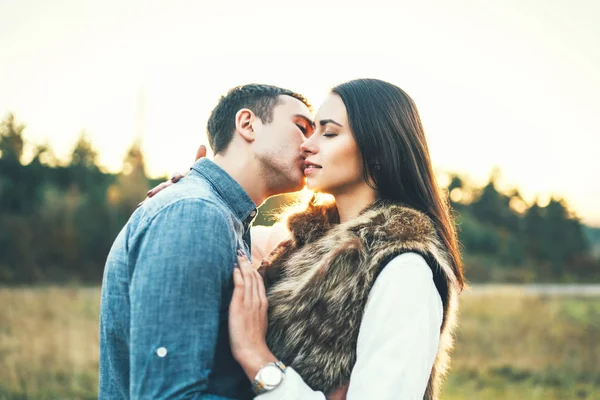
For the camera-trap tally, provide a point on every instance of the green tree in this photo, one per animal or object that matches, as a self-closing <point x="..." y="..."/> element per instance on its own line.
<point x="555" y="237"/>
<point x="84" y="173"/>
<point x="14" y="193"/>
<point x="84" y="154"/>
<point x="11" y="139"/>
<point x="132" y="183"/>
<point x="534" y="227"/>
<point x="565" y="239"/>
<point x="493" y="207"/>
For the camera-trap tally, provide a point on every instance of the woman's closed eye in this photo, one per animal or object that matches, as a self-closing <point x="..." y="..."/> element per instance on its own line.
<point x="329" y="134"/>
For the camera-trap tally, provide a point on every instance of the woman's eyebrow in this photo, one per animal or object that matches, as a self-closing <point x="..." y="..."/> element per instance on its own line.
<point x="324" y="122"/>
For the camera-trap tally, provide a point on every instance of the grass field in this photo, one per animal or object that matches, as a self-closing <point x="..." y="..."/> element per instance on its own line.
<point x="509" y="346"/>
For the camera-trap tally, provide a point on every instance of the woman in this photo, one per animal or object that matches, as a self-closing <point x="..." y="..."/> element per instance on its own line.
<point x="359" y="298"/>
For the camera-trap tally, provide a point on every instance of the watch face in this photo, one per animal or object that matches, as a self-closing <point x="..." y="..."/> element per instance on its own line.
<point x="270" y="375"/>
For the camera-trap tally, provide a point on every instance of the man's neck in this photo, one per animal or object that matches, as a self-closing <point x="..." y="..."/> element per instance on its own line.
<point x="246" y="173"/>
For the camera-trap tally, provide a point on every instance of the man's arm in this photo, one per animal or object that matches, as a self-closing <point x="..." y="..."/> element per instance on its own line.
<point x="181" y="263"/>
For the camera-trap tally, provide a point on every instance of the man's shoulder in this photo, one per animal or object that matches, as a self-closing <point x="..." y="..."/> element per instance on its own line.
<point x="189" y="205"/>
<point x="191" y="194"/>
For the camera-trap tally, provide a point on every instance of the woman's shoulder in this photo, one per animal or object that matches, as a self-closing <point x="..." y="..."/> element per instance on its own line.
<point x="408" y="264"/>
<point x="406" y="277"/>
<point x="265" y="239"/>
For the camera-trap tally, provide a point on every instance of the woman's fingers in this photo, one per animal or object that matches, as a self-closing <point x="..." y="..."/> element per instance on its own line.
<point x="262" y="292"/>
<point x="158" y="188"/>
<point x="176" y="177"/>
<point x="251" y="277"/>
<point x="201" y="152"/>
<point x="247" y="318"/>
<point x="255" y="287"/>
<point x="238" y="279"/>
<point x="339" y="394"/>
<point x="246" y="270"/>
<point x="238" y="287"/>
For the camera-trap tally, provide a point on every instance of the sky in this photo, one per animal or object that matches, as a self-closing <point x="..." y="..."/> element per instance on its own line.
<point x="508" y="84"/>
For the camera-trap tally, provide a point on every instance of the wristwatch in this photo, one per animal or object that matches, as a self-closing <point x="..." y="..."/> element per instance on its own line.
<point x="269" y="377"/>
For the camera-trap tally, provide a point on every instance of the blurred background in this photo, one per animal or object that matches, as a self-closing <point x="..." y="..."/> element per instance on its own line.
<point x="100" y="101"/>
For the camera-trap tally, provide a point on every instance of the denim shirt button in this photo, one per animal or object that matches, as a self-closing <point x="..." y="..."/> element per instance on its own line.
<point x="161" y="352"/>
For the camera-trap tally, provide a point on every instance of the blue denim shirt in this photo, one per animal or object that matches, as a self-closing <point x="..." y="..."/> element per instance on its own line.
<point x="166" y="291"/>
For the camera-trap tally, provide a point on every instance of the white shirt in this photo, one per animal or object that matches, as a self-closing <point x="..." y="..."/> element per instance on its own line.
<point x="397" y="342"/>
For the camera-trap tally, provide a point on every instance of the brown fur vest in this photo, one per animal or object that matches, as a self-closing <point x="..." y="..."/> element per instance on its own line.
<point x="318" y="283"/>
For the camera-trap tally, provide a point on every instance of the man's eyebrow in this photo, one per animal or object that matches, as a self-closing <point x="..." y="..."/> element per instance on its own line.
<point x="324" y="122"/>
<point x="304" y="117"/>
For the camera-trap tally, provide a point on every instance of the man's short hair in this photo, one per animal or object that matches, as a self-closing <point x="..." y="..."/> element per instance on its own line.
<point x="261" y="99"/>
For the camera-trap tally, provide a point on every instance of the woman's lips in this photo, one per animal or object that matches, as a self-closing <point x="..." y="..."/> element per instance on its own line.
<point x="311" y="169"/>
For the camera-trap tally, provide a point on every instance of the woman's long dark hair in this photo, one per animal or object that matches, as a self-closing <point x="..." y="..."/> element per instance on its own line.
<point x="387" y="128"/>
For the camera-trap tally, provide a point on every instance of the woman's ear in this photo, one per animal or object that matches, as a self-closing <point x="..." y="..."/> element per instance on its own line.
<point x="244" y="119"/>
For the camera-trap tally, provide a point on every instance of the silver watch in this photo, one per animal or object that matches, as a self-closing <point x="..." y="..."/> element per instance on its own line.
<point x="269" y="377"/>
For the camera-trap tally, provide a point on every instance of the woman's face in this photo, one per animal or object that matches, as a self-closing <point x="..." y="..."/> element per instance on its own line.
<point x="333" y="162"/>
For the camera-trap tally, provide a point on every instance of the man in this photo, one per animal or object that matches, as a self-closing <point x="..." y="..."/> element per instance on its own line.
<point x="168" y="277"/>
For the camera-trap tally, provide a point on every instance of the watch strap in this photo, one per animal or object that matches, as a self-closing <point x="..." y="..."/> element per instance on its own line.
<point x="258" y="386"/>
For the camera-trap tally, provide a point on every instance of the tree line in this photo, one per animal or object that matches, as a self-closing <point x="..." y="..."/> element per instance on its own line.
<point x="59" y="219"/>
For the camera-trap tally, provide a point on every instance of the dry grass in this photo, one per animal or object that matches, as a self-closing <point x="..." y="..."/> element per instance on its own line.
<point x="534" y="347"/>
<point x="509" y="346"/>
<point x="48" y="343"/>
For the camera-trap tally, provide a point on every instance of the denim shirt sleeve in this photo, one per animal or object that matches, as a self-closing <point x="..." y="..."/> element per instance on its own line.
<point x="180" y="264"/>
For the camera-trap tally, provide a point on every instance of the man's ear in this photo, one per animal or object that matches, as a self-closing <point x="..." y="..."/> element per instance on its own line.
<point x="244" y="119"/>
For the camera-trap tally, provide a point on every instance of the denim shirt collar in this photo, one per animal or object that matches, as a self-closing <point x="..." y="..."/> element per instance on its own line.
<point x="232" y="193"/>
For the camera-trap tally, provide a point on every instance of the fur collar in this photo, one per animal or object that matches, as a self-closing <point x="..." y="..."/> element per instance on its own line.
<point x="318" y="284"/>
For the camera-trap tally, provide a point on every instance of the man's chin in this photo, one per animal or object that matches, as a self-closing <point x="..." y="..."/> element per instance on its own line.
<point x="296" y="188"/>
<point x="291" y="186"/>
<point x="298" y="184"/>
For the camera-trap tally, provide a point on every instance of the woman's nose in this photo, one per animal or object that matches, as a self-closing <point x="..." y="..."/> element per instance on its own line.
<point x="308" y="146"/>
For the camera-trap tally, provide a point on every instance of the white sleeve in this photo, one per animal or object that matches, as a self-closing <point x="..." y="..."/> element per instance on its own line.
<point x="292" y="388"/>
<point x="399" y="333"/>
<point x="397" y="341"/>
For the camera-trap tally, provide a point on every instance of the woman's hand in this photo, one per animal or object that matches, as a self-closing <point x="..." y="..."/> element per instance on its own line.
<point x="248" y="323"/>
<point x="339" y="394"/>
<point x="248" y="319"/>
<point x="177" y="176"/>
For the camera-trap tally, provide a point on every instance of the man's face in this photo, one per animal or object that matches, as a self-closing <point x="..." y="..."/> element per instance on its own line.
<point x="277" y="145"/>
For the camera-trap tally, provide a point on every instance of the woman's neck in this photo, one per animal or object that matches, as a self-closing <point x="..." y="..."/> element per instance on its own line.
<point x="350" y="203"/>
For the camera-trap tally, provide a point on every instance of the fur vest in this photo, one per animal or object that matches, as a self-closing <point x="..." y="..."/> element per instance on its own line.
<point x="318" y="283"/>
